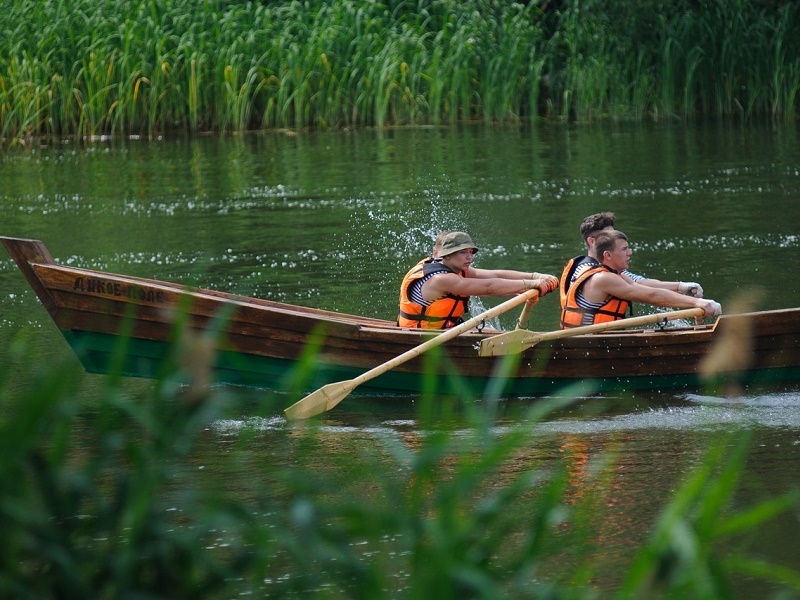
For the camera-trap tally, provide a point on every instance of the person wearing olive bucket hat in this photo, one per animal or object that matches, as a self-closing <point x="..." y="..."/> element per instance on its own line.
<point x="435" y="293"/>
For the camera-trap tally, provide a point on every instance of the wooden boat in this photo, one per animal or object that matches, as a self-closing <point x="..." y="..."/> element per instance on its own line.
<point x="131" y="324"/>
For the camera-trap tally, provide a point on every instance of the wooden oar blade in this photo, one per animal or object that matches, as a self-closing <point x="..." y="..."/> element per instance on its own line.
<point x="330" y="395"/>
<point x="502" y="344"/>
<point x="324" y="399"/>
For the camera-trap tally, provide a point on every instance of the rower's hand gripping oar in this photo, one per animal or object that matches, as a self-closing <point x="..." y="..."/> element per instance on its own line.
<point x="518" y="340"/>
<point x="328" y="396"/>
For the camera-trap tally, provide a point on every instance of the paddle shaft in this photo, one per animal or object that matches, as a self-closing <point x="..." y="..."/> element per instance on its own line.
<point x="445" y="336"/>
<point x="611" y="325"/>
<point x="524" y="316"/>
<point x="516" y="341"/>
<point x="330" y="395"/>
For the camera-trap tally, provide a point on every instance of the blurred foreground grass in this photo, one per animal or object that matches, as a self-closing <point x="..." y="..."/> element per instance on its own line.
<point x="105" y="498"/>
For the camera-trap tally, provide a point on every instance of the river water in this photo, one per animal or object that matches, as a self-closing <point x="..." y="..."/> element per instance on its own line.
<point x="334" y="219"/>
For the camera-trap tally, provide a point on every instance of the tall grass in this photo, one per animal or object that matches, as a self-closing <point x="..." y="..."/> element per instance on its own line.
<point x="94" y="67"/>
<point x="105" y="498"/>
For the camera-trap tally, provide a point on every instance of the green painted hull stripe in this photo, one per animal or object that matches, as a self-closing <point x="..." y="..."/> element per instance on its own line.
<point x="146" y="358"/>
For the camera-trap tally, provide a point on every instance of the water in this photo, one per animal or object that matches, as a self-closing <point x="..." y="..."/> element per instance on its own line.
<point x="333" y="220"/>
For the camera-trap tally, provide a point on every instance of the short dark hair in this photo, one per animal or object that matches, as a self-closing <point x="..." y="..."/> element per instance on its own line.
<point x="606" y="240"/>
<point x="597" y="222"/>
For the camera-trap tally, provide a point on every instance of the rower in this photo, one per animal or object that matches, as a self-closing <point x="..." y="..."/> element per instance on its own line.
<point x="600" y="293"/>
<point x="594" y="224"/>
<point x="436" y="292"/>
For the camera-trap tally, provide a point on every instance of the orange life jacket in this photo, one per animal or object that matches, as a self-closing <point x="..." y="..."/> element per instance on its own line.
<point x="572" y="315"/>
<point x="443" y="313"/>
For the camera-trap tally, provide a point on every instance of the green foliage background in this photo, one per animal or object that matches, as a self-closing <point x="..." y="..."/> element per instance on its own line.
<point x="93" y="67"/>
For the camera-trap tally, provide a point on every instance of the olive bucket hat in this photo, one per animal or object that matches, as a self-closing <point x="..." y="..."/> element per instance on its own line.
<point x="456" y="241"/>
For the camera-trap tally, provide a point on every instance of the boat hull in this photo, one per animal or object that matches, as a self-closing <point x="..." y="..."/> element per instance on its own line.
<point x="136" y="327"/>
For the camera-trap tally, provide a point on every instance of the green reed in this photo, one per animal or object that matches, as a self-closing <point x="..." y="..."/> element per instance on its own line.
<point x="94" y="67"/>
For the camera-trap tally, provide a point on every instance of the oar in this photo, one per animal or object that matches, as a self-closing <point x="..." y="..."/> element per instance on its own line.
<point x="328" y="396"/>
<point x="524" y="315"/>
<point x="513" y="342"/>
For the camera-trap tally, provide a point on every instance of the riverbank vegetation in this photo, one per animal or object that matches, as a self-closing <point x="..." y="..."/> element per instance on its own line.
<point x="152" y="493"/>
<point x="99" y="67"/>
